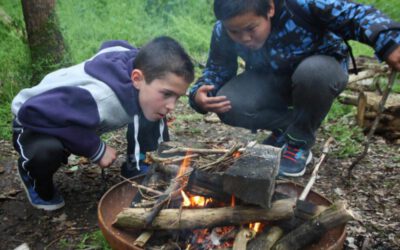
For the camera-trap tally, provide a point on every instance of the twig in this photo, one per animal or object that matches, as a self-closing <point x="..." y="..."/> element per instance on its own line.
<point x="221" y="159"/>
<point x="169" y="160"/>
<point x="311" y="182"/>
<point x="199" y="150"/>
<point x="392" y="78"/>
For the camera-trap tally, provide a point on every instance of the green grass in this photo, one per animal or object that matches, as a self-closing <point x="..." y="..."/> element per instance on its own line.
<point x="340" y="124"/>
<point x="92" y="240"/>
<point x="85" y="24"/>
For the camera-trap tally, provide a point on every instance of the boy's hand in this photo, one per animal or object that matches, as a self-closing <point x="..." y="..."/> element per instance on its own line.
<point x="394" y="59"/>
<point x="108" y="158"/>
<point x="218" y="104"/>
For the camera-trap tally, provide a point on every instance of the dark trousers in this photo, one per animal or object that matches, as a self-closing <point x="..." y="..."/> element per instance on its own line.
<point x="148" y="135"/>
<point x="295" y="105"/>
<point x="40" y="157"/>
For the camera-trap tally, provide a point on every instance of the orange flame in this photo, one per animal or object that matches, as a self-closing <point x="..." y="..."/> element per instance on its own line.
<point x="184" y="166"/>
<point x="256" y="227"/>
<point x="194" y="201"/>
<point x="233" y="201"/>
<point x="236" y="154"/>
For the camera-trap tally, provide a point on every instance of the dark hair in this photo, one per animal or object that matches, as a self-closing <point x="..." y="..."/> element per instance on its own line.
<point x="164" y="55"/>
<point x="226" y="9"/>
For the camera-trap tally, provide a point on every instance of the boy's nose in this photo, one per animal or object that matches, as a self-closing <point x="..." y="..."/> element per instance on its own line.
<point x="171" y="105"/>
<point x="245" y="37"/>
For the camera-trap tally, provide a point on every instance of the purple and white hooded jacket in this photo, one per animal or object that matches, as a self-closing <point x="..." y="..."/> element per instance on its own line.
<point x="79" y="103"/>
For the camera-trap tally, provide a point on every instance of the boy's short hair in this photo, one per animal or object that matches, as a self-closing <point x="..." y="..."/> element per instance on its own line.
<point x="226" y="9"/>
<point x="164" y="55"/>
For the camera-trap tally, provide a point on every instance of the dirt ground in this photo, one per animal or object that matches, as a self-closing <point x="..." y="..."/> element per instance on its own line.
<point x="374" y="194"/>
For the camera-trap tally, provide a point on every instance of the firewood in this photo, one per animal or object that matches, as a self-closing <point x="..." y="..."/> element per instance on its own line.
<point x="242" y="238"/>
<point x="174" y="219"/>
<point x="142" y="239"/>
<point x="380" y="109"/>
<point x="208" y="185"/>
<point x="266" y="240"/>
<point x="164" y="198"/>
<point x="314" y="229"/>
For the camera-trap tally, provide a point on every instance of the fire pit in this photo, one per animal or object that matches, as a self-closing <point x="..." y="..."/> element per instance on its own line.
<point x="120" y="196"/>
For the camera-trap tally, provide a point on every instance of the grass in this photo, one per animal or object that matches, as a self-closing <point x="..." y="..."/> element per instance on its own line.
<point x="85" y="24"/>
<point x="93" y="240"/>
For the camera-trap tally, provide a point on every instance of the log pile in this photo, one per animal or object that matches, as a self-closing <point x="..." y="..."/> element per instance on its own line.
<point x="364" y="91"/>
<point x="158" y="208"/>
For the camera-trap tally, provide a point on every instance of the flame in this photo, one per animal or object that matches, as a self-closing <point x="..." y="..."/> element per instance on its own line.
<point x="233" y="201"/>
<point x="256" y="227"/>
<point x="236" y="154"/>
<point x="186" y="200"/>
<point x="184" y="166"/>
<point x="194" y="201"/>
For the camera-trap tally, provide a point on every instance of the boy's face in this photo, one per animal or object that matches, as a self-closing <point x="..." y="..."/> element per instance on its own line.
<point x="249" y="29"/>
<point x="158" y="97"/>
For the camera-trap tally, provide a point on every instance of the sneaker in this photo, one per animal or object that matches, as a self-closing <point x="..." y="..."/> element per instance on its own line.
<point x="294" y="161"/>
<point x="55" y="203"/>
<point x="275" y="140"/>
<point x="129" y="170"/>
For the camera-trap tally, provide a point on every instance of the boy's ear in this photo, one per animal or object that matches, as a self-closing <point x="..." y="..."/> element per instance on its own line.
<point x="271" y="11"/>
<point x="137" y="78"/>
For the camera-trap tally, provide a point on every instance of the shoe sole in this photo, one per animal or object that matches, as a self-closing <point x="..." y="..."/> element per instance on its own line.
<point x="44" y="207"/>
<point x="309" y="158"/>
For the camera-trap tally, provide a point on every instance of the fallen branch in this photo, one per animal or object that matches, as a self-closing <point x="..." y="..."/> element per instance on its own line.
<point x="311" y="182"/>
<point x="371" y="132"/>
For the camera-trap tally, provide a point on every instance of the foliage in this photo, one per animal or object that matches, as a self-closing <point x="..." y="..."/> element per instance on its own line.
<point x="339" y="124"/>
<point x="85" y="24"/>
<point x="93" y="240"/>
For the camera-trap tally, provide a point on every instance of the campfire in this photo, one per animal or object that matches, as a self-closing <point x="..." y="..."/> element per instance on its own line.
<point x="222" y="199"/>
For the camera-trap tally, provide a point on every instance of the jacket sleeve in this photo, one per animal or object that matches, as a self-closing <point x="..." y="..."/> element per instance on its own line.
<point x="221" y="64"/>
<point x="354" y="21"/>
<point x="68" y="113"/>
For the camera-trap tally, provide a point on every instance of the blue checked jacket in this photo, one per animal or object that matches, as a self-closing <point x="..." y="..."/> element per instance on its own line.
<point x="289" y="42"/>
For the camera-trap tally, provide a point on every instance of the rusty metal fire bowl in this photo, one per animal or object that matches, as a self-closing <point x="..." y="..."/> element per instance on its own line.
<point x="120" y="196"/>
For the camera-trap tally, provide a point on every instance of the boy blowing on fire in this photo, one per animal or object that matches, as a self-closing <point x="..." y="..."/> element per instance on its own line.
<point x="296" y="65"/>
<point x="71" y="107"/>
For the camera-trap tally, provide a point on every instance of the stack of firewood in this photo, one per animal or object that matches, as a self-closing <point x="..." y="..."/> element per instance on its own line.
<point x="364" y="91"/>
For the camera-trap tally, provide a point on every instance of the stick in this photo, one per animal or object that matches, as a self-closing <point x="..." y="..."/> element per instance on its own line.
<point x="143" y="238"/>
<point x="175" y="185"/>
<point x="221" y="159"/>
<point x="169" y="160"/>
<point x="199" y="150"/>
<point x="311" y="182"/>
<point x="392" y="78"/>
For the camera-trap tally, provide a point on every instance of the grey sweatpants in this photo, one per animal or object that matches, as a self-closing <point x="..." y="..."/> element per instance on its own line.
<point x="295" y="105"/>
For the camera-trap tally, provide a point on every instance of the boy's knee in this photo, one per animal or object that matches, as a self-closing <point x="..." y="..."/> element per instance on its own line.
<point x="50" y="152"/>
<point x="320" y="73"/>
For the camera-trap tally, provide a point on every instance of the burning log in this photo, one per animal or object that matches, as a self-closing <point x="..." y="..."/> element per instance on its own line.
<point x="208" y="185"/>
<point x="314" y="229"/>
<point x="135" y="218"/>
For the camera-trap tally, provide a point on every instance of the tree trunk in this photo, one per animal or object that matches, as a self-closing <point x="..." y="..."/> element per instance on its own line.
<point x="45" y="40"/>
